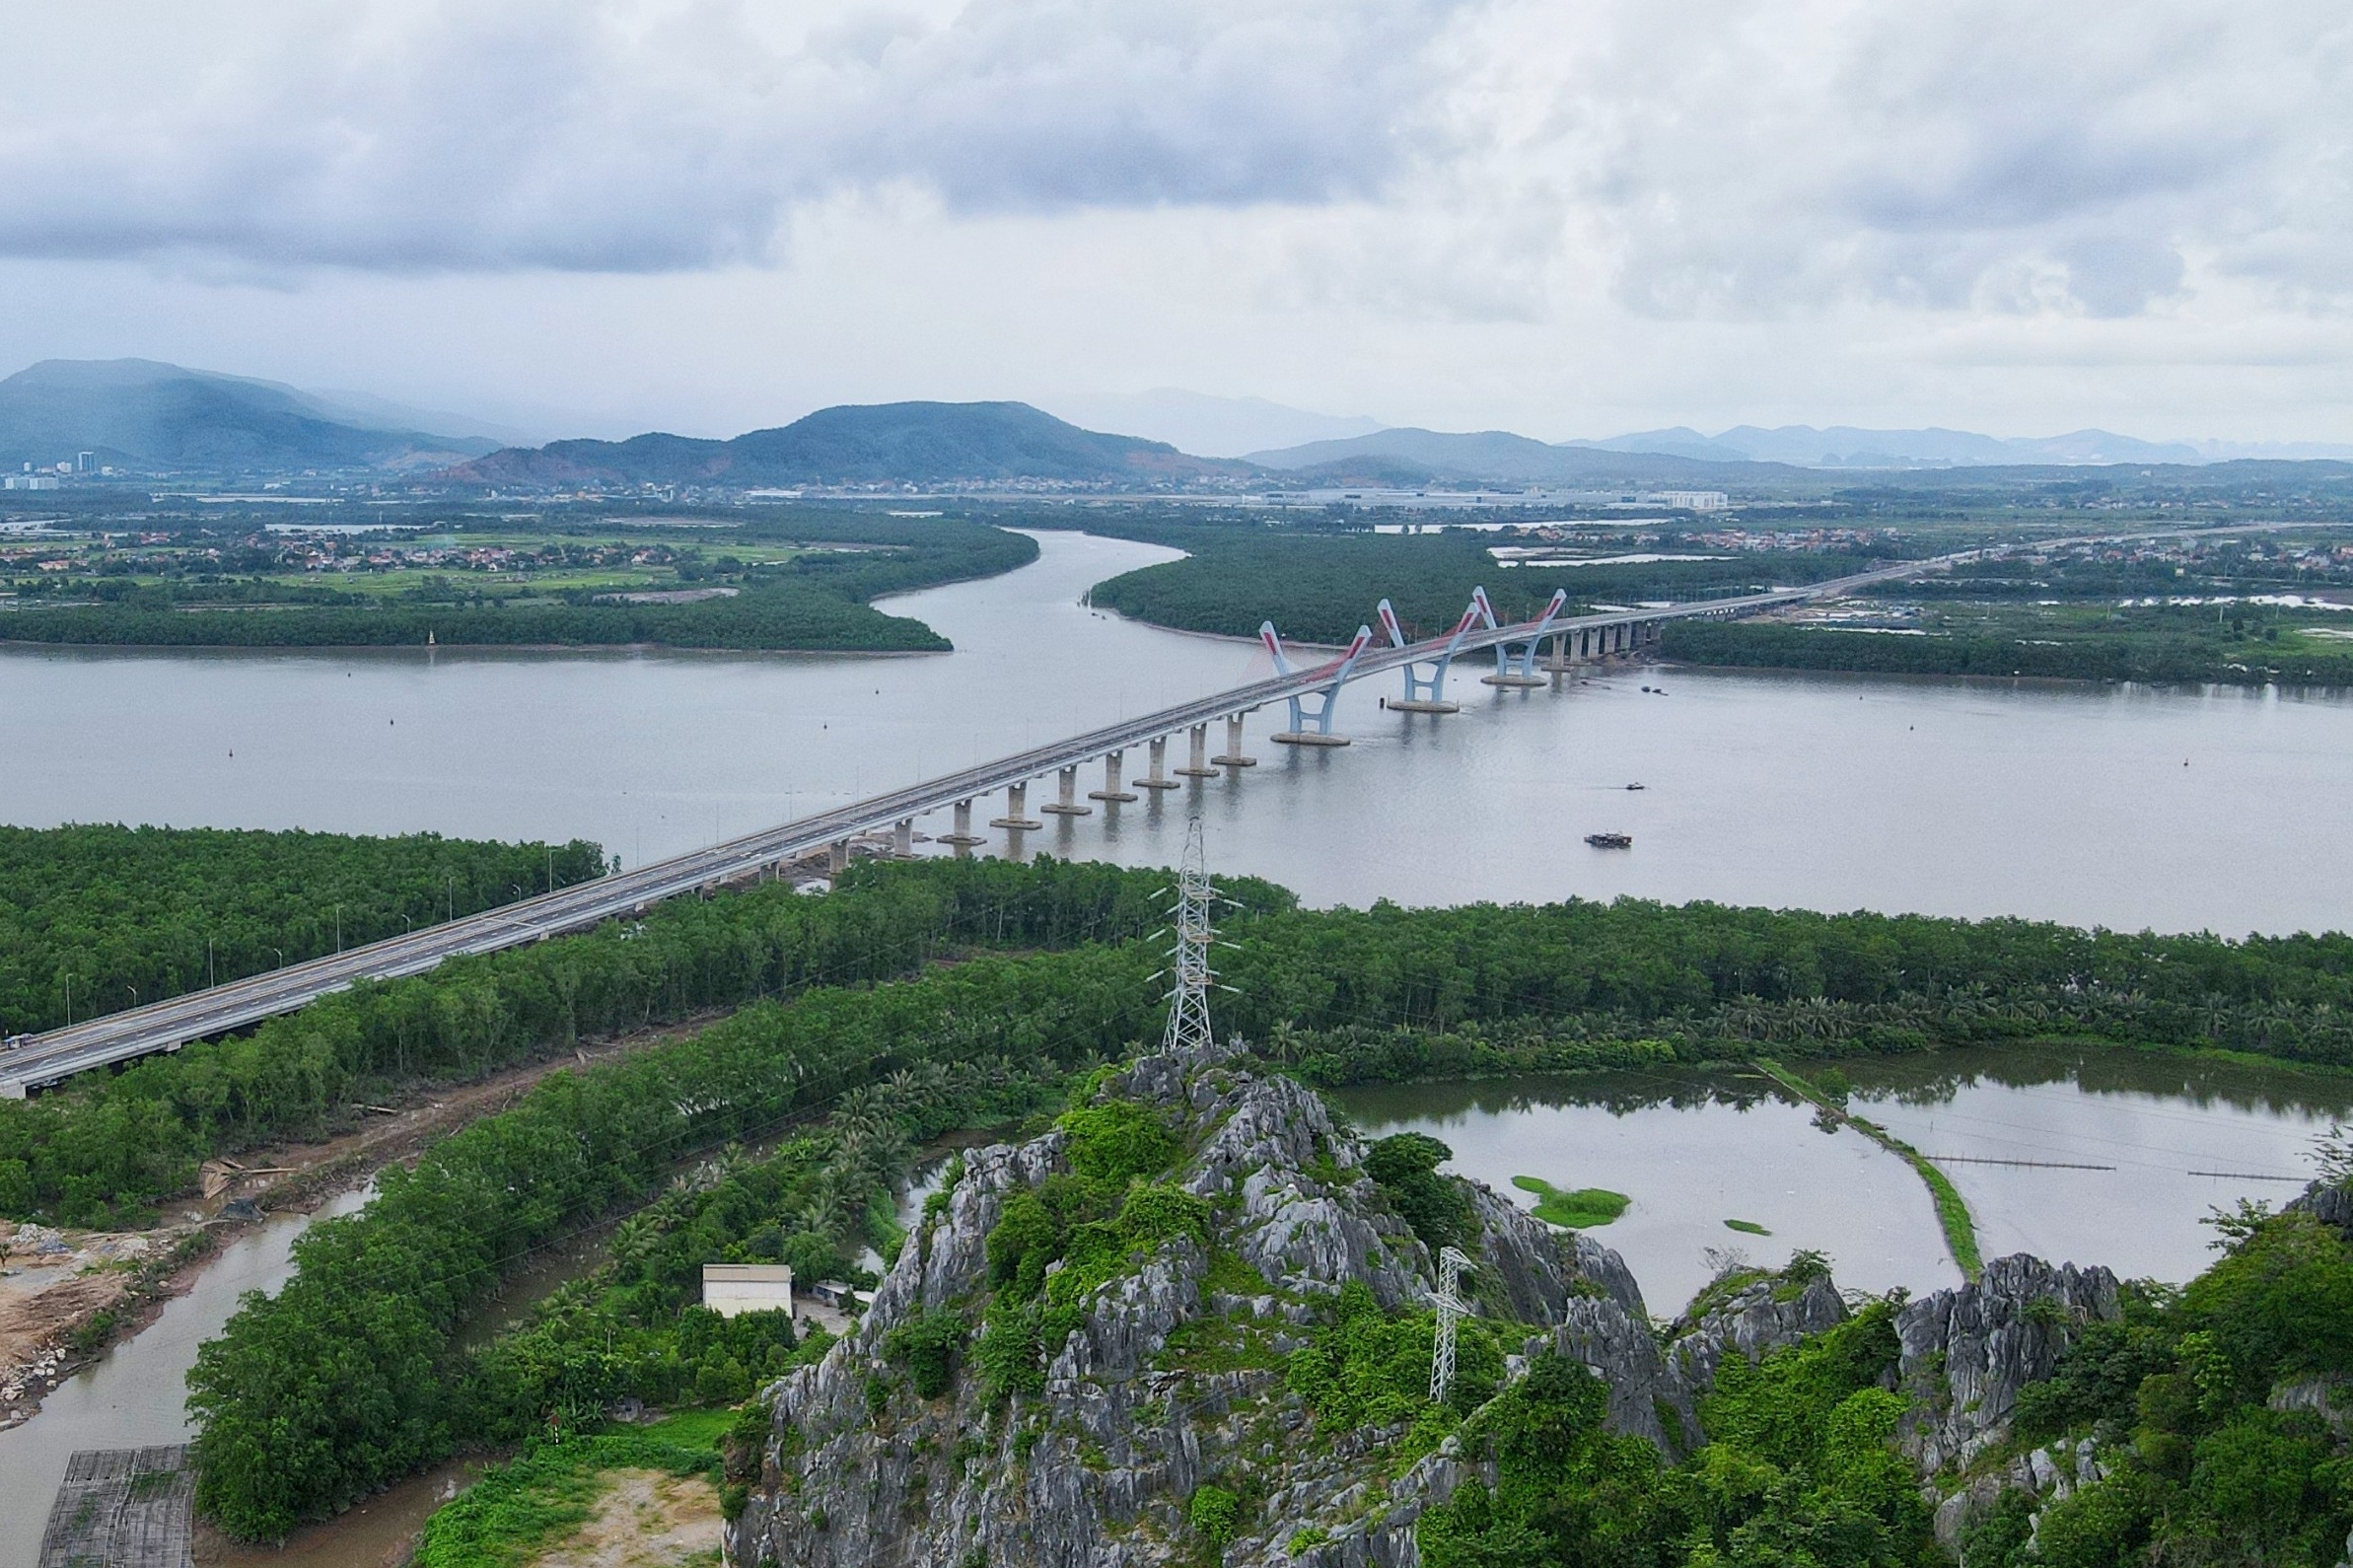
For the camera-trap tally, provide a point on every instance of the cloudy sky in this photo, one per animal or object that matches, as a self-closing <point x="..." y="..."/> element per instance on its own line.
<point x="1566" y="217"/>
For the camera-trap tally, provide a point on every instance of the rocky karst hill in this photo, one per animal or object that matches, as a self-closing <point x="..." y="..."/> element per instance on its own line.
<point x="1188" y="1323"/>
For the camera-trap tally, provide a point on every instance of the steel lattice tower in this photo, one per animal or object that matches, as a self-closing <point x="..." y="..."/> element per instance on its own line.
<point x="1189" y="958"/>
<point x="1448" y="1298"/>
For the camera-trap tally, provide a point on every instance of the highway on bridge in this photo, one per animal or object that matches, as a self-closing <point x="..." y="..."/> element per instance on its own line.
<point x="38" y="1060"/>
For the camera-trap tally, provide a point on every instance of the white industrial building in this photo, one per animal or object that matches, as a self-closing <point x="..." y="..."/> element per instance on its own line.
<point x="730" y="1289"/>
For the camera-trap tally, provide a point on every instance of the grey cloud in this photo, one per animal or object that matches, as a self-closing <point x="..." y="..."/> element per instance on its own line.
<point x="1473" y="157"/>
<point x="645" y="137"/>
<point x="1750" y="162"/>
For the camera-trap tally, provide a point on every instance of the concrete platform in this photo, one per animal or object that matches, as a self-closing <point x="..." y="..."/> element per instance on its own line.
<point x="1116" y="795"/>
<point x="1237" y="761"/>
<point x="1159" y="783"/>
<point x="122" y="1507"/>
<point x="1019" y="824"/>
<point x="1306" y="738"/>
<point x="1515" y="680"/>
<point x="1196" y="772"/>
<point x="959" y="840"/>
<point x="1067" y="809"/>
<point x="1418" y="705"/>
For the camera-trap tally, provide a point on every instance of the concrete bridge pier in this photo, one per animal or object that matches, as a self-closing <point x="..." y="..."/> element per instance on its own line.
<point x="1231" y="756"/>
<point x="1066" y="804"/>
<point x="903" y="839"/>
<point x="964" y="838"/>
<point x="1156" y="778"/>
<point x="1112" y="764"/>
<point x="1198" y="766"/>
<point x="1017" y="811"/>
<point x="837" y="857"/>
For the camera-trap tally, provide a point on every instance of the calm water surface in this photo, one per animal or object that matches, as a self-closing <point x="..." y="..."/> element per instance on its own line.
<point x="2172" y="1138"/>
<point x="2074" y="804"/>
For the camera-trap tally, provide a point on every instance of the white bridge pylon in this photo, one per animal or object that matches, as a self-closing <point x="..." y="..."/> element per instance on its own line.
<point x="1323" y="697"/>
<point x="1515" y="660"/>
<point x="1427" y="694"/>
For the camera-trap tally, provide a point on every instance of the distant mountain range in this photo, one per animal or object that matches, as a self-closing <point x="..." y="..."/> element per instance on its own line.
<point x="157" y="418"/>
<point x="917" y="443"/>
<point x="1847" y="447"/>
<point x="148" y="419"/>
<point x="1743" y="453"/>
<point x="1415" y="456"/>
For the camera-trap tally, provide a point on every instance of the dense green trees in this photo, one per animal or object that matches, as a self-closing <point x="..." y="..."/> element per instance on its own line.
<point x="1392" y="992"/>
<point x="1800" y="1468"/>
<point x="2054" y="651"/>
<point x="1321" y="587"/>
<point x="2214" y="1412"/>
<point x="813" y="601"/>
<point x="136" y="914"/>
<point x="106" y="1147"/>
<point x="792" y="615"/>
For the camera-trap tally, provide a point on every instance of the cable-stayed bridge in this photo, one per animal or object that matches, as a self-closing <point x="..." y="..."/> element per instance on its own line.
<point x="36" y="1061"/>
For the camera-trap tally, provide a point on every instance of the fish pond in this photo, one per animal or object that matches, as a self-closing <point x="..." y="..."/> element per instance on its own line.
<point x="2077" y="1153"/>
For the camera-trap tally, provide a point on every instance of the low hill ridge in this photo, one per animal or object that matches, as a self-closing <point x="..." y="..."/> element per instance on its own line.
<point x="150" y="416"/>
<point x="855" y="443"/>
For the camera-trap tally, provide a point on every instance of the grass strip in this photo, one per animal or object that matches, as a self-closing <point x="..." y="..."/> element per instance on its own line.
<point x="1578" y="1210"/>
<point x="1952" y="1211"/>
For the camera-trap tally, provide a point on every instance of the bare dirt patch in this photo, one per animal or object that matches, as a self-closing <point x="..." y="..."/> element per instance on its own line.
<point x="644" y="1520"/>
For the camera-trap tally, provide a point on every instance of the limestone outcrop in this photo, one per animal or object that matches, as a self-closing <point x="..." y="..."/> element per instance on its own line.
<point x="1174" y="1377"/>
<point x="1166" y="1373"/>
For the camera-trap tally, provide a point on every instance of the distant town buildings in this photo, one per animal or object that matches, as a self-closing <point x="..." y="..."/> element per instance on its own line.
<point x="1687" y="500"/>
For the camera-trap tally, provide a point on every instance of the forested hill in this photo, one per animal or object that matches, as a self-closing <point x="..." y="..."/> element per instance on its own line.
<point x="152" y="417"/>
<point x="920" y="443"/>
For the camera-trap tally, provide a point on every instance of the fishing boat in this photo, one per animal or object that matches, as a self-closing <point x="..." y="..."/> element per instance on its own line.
<point x="1611" y="840"/>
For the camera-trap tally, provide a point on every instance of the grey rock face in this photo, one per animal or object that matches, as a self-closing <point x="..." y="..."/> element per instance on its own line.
<point x="1968" y="1353"/>
<point x="1099" y="1469"/>
<point x="2331" y="1205"/>
<point x="1655" y="1390"/>
<point x="1541" y="1269"/>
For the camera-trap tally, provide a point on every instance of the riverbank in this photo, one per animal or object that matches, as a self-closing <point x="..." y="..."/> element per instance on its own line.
<point x="58" y="1316"/>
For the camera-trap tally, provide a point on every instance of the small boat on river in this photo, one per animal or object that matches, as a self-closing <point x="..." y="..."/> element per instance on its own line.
<point x="1611" y="840"/>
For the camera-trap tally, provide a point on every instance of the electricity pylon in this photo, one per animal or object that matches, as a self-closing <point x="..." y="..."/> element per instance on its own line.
<point x="1448" y="1298"/>
<point x="1188" y="960"/>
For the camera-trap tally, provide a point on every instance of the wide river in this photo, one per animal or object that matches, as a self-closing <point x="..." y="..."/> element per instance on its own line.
<point x="2226" y="810"/>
